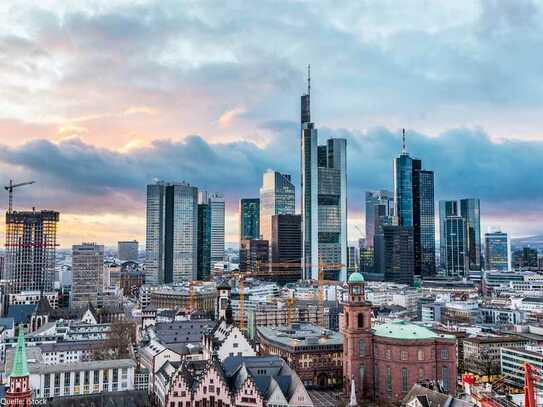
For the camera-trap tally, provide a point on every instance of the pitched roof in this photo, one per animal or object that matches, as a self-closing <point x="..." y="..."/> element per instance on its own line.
<point x="21" y="313"/>
<point x="20" y="366"/>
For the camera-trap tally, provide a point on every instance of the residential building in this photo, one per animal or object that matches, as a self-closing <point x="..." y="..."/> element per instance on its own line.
<point x="127" y="250"/>
<point x="31" y="240"/>
<point x="172" y="233"/>
<point x="87" y="274"/>
<point x="249" y="213"/>
<point x="497" y="251"/>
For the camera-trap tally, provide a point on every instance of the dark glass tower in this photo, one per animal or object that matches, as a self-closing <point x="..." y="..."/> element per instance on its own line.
<point x="286" y="245"/>
<point x="399" y="254"/>
<point x="204" y="242"/>
<point x="414" y="208"/>
<point x="249" y="218"/>
<point x="470" y="210"/>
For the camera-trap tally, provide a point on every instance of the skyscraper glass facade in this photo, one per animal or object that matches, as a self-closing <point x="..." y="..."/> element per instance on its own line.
<point x="277" y="196"/>
<point x="470" y="210"/>
<point x="249" y="210"/>
<point x="497" y="251"/>
<point x="204" y="242"/>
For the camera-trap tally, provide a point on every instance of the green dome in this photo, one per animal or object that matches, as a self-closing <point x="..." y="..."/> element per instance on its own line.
<point x="356" y="278"/>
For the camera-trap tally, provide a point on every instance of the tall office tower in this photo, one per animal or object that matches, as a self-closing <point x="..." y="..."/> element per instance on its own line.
<point x="286" y="247"/>
<point x="253" y="254"/>
<point x="127" y="250"/>
<point x="172" y="233"/>
<point x="379" y="204"/>
<point x="204" y="242"/>
<point x="87" y="274"/>
<point x="456" y="247"/>
<point x="216" y="204"/>
<point x="497" y="251"/>
<point x="399" y="254"/>
<point x="309" y="166"/>
<point x="353" y="258"/>
<point x="249" y="214"/>
<point x="414" y="207"/>
<point x="446" y="209"/>
<point x="277" y="197"/>
<point x="525" y="259"/>
<point x="31" y="240"/>
<point x="332" y="209"/>
<point x="470" y="210"/>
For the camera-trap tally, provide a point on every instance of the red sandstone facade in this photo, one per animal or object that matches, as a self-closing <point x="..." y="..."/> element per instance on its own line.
<point x="19" y="393"/>
<point x="385" y="364"/>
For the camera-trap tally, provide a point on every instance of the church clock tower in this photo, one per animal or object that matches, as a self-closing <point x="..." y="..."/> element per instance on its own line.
<point x="355" y="325"/>
<point x="19" y="392"/>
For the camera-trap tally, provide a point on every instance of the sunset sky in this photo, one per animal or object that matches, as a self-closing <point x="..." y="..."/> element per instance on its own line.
<point x="98" y="98"/>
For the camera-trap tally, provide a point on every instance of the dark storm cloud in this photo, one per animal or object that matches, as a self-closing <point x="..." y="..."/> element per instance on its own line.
<point x="466" y="164"/>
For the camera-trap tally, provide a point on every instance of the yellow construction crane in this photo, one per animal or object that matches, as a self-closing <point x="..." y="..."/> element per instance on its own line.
<point x="192" y="296"/>
<point x="10" y="188"/>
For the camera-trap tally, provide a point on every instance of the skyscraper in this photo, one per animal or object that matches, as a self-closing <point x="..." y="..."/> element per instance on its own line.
<point x="497" y="251"/>
<point x="253" y="254"/>
<point x="277" y="197"/>
<point x="216" y="204"/>
<point x="286" y="246"/>
<point x="525" y="259"/>
<point x="456" y="247"/>
<point x="379" y="204"/>
<point x="204" y="242"/>
<point x="399" y="257"/>
<point x="332" y="209"/>
<point x="31" y="240"/>
<point x="172" y="232"/>
<point x="249" y="213"/>
<point x="470" y="210"/>
<point x="446" y="209"/>
<point x="127" y="250"/>
<point x="414" y="207"/>
<point x="87" y="274"/>
<point x="324" y="191"/>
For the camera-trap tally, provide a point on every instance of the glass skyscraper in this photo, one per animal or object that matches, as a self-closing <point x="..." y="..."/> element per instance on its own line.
<point x="414" y="208"/>
<point x="379" y="204"/>
<point x="324" y="200"/>
<point x="172" y="235"/>
<point x="277" y="197"/>
<point x="204" y="242"/>
<point x="497" y="251"/>
<point x="470" y="210"/>
<point x="446" y="209"/>
<point x="249" y="210"/>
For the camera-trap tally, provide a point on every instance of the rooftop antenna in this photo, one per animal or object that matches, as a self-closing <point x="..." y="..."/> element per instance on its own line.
<point x="404" y="148"/>
<point x="309" y="79"/>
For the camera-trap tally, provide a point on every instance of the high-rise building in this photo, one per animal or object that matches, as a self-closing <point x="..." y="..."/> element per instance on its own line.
<point x="204" y="242"/>
<point x="353" y="259"/>
<point x="216" y="204"/>
<point x="249" y="213"/>
<point x="31" y="240"/>
<point x="379" y="206"/>
<point x="172" y="233"/>
<point x="470" y="210"/>
<point x="324" y="198"/>
<point x="277" y="197"/>
<point x="127" y="250"/>
<point x="253" y="255"/>
<point x="286" y="246"/>
<point x="525" y="259"/>
<point x="332" y="209"/>
<point x="446" y="209"/>
<point x="414" y="207"/>
<point x="456" y="247"/>
<point x="399" y="254"/>
<point x="497" y="251"/>
<point x="87" y="274"/>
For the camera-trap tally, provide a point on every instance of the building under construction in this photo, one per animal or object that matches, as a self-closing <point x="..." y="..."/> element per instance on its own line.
<point x="31" y="240"/>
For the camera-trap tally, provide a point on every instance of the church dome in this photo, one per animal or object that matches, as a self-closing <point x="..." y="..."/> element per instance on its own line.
<point x="356" y="278"/>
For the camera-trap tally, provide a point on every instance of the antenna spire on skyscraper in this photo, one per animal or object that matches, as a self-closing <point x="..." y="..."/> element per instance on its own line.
<point x="309" y="79"/>
<point x="404" y="147"/>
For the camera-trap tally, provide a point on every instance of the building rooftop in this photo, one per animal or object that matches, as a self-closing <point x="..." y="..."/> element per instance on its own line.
<point x="407" y="330"/>
<point x="496" y="339"/>
<point x="300" y="335"/>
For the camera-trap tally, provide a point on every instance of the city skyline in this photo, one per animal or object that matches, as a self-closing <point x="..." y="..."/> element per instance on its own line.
<point x="77" y="131"/>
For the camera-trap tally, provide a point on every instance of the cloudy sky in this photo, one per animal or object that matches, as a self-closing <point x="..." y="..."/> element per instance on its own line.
<point x="99" y="98"/>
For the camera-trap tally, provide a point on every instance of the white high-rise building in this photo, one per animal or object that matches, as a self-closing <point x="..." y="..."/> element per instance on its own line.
<point x="172" y="233"/>
<point x="87" y="273"/>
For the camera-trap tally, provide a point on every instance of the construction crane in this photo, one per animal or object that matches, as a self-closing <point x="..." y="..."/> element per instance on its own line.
<point x="192" y="296"/>
<point x="10" y="188"/>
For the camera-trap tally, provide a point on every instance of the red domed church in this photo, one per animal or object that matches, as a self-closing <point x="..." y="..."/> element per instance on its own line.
<point x="385" y="361"/>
